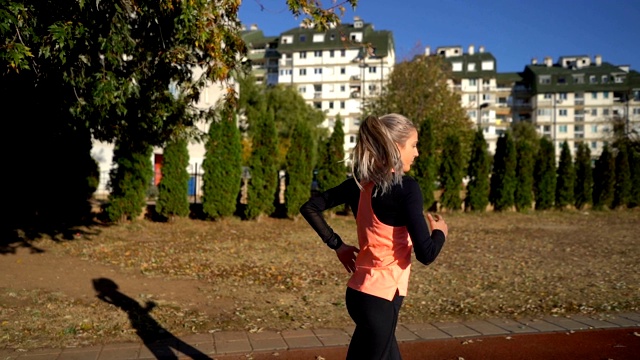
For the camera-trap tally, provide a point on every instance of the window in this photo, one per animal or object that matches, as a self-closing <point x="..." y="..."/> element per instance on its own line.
<point x="487" y="65"/>
<point x="619" y="79"/>
<point x="330" y="104"/>
<point x="578" y="79"/>
<point x="456" y="66"/>
<point x="562" y="80"/>
<point x="594" y="95"/>
<point x="486" y="97"/>
<point x="636" y="111"/>
<point x="605" y="112"/>
<point x="472" y="98"/>
<point x="317" y="53"/>
<point x="546" y="128"/>
<point x="342" y="104"/>
<point x="317" y="70"/>
<point x="352" y="139"/>
<point x="372" y="69"/>
<point x="562" y="112"/>
<point x="318" y="37"/>
<point x="286" y="72"/>
<point x="471" y="114"/>
<point x="605" y="95"/>
<point x="594" y="145"/>
<point x="545" y="79"/>
<point x="343" y="70"/>
<point x="594" y="128"/>
<point x="562" y="96"/>
<point x="343" y="88"/>
<point x="317" y="104"/>
<point x="332" y="53"/>
<point x="472" y="82"/>
<point x="303" y="38"/>
<point x="605" y="79"/>
<point x="547" y="95"/>
<point x="343" y="53"/>
<point x="562" y="128"/>
<point x="303" y="72"/>
<point x="544" y="112"/>
<point x="302" y="89"/>
<point x="303" y="54"/>
<point x="471" y="67"/>
<point x="592" y="79"/>
<point x="594" y="112"/>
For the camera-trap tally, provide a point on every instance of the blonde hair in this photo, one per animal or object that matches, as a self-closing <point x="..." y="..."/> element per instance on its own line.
<point x="376" y="157"/>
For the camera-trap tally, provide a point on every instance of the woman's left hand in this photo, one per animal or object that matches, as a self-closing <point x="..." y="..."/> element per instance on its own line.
<point x="347" y="255"/>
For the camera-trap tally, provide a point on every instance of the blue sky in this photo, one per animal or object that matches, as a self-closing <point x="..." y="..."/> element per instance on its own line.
<point x="514" y="31"/>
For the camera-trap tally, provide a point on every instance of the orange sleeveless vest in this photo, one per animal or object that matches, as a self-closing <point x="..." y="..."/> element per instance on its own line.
<point x="384" y="261"/>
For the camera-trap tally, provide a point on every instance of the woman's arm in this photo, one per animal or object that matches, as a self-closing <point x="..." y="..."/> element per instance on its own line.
<point x="312" y="210"/>
<point x="426" y="246"/>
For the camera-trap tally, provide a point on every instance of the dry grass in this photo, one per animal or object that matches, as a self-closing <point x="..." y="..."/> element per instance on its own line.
<point x="276" y="274"/>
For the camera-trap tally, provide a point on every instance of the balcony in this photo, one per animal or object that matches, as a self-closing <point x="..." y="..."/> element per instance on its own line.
<point x="355" y="78"/>
<point x="578" y="118"/>
<point x="578" y="101"/>
<point x="317" y="95"/>
<point x="355" y="94"/>
<point x="288" y="62"/>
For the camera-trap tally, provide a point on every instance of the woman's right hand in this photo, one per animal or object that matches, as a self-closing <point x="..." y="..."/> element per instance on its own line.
<point x="347" y="255"/>
<point x="436" y="222"/>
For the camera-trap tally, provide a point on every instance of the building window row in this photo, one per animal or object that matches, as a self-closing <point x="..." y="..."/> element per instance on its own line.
<point x="320" y="53"/>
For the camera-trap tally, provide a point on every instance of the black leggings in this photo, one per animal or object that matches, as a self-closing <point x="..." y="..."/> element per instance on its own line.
<point x="376" y="319"/>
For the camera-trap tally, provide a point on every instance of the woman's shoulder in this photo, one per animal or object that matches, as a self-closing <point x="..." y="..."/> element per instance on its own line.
<point x="410" y="183"/>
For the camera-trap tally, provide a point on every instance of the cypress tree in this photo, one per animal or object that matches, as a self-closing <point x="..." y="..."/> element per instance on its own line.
<point x="425" y="165"/>
<point x="622" y="187"/>
<point x="129" y="180"/>
<point x="526" y="159"/>
<point x="331" y="168"/>
<point x="545" y="175"/>
<point x="299" y="169"/>
<point x="565" y="178"/>
<point x="503" y="176"/>
<point x="222" y="166"/>
<point x="451" y="173"/>
<point x="477" y="197"/>
<point x="634" y="175"/>
<point x="174" y="186"/>
<point x="584" y="177"/>
<point x="263" y="165"/>
<point x="603" y="180"/>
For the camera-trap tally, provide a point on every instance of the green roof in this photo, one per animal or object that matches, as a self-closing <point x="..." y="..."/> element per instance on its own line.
<point x="508" y="77"/>
<point x="476" y="58"/>
<point x="562" y="79"/>
<point x="338" y="38"/>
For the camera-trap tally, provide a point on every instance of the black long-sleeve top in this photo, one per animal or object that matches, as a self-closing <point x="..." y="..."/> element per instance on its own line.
<point x="401" y="206"/>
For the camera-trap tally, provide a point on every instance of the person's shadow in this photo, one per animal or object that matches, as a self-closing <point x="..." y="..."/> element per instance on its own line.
<point x="157" y="339"/>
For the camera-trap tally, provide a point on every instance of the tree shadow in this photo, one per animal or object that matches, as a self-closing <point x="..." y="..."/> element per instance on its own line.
<point x="158" y="340"/>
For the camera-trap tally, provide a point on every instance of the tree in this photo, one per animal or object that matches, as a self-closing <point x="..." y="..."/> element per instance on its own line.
<point x="479" y="168"/>
<point x="503" y="176"/>
<point x="108" y="70"/>
<point x="331" y="168"/>
<point x="603" y="180"/>
<point x="174" y="186"/>
<point x="418" y="89"/>
<point x="129" y="181"/>
<point x="565" y="178"/>
<point x="222" y="166"/>
<point x="425" y="165"/>
<point x="523" y="197"/>
<point x="622" y="187"/>
<point x="263" y="165"/>
<point x="299" y="169"/>
<point x="545" y="175"/>
<point x="451" y="173"/>
<point x="584" y="177"/>
<point x="634" y="167"/>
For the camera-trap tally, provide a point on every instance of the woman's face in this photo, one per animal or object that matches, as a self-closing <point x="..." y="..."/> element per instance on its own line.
<point x="409" y="151"/>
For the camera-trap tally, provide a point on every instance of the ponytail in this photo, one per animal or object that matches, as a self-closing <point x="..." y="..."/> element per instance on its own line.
<point x="376" y="157"/>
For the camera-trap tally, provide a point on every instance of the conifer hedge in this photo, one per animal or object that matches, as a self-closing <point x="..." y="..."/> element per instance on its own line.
<point x="603" y="180"/>
<point x="584" y="177"/>
<point x="526" y="160"/>
<point x="299" y="167"/>
<point x="477" y="197"/>
<point x="545" y="175"/>
<point x="174" y="186"/>
<point x="451" y="173"/>
<point x="425" y="166"/>
<point x="622" y="187"/>
<point x="565" y="178"/>
<point x="331" y="167"/>
<point x="503" y="176"/>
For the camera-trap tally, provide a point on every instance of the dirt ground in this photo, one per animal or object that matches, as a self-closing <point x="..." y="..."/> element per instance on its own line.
<point x="197" y="276"/>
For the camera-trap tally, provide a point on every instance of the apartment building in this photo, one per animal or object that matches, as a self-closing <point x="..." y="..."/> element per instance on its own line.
<point x="484" y="93"/>
<point x="336" y="71"/>
<point x="576" y="98"/>
<point x="262" y="52"/>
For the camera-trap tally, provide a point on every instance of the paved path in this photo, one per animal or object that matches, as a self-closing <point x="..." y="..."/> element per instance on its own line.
<point x="331" y="343"/>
